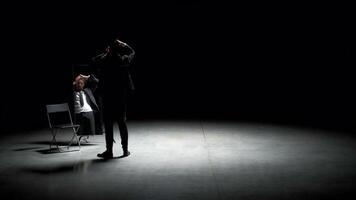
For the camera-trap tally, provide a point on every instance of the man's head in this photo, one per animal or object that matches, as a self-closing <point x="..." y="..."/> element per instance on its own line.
<point x="116" y="45"/>
<point x="79" y="83"/>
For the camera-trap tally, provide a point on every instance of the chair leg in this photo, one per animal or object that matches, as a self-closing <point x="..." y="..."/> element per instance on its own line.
<point x="54" y="134"/>
<point x="71" y="140"/>
<point x="74" y="136"/>
<point x="78" y="141"/>
<point x="50" y="144"/>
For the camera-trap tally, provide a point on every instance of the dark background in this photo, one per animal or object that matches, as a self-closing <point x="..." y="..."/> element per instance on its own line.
<point x="287" y="63"/>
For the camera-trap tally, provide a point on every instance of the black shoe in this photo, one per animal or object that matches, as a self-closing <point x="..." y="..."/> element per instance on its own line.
<point x="126" y="153"/>
<point x="105" y="154"/>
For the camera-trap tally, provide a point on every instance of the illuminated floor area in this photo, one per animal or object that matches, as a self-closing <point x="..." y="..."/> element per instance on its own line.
<point x="185" y="160"/>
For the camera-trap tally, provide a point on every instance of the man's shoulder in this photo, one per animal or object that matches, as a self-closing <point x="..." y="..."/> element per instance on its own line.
<point x="87" y="89"/>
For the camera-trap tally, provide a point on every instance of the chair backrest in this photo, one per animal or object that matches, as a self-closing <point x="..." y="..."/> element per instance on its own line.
<point x="53" y="108"/>
<point x="58" y="108"/>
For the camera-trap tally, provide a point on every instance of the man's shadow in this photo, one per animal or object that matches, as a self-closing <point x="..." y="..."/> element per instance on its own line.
<point x="77" y="167"/>
<point x="63" y="148"/>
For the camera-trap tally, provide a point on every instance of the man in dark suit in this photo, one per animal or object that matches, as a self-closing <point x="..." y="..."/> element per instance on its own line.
<point x="113" y="70"/>
<point x="84" y="103"/>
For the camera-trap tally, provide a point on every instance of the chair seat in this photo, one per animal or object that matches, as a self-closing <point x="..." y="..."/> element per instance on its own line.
<point x="66" y="126"/>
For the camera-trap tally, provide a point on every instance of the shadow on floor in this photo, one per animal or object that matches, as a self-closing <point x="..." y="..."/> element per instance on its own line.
<point x="50" y="150"/>
<point x="64" y="143"/>
<point x="77" y="167"/>
<point x="55" y="150"/>
<point x="26" y="148"/>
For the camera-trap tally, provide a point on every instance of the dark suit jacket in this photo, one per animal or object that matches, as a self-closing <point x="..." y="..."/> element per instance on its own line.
<point x="89" y="90"/>
<point x="113" y="70"/>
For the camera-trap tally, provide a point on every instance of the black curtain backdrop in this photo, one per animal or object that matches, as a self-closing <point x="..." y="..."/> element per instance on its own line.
<point x="290" y="63"/>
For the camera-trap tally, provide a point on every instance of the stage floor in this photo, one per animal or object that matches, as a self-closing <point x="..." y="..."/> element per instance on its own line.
<point x="184" y="160"/>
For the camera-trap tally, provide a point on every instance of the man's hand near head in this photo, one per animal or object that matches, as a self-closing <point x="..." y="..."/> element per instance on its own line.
<point x="80" y="76"/>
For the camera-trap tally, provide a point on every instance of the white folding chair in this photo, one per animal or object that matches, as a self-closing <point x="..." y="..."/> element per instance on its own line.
<point x="56" y="125"/>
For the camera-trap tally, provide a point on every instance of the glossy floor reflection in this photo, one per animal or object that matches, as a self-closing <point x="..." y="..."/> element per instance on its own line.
<point x="184" y="160"/>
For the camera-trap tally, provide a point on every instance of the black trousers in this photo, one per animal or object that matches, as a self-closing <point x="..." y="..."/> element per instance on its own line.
<point x="114" y="111"/>
<point x="86" y="122"/>
<point x="99" y="122"/>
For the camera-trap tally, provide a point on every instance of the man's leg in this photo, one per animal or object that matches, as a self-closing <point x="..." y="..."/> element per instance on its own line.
<point x="109" y="133"/>
<point x="88" y="123"/>
<point x="124" y="135"/>
<point x="79" y="120"/>
<point x="99" y="123"/>
<point x="109" y="137"/>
